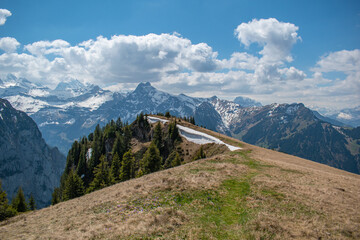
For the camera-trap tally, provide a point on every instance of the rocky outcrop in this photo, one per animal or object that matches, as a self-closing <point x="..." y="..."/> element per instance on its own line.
<point x="25" y="159"/>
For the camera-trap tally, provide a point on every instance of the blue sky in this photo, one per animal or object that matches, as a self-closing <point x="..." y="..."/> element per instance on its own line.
<point x="326" y="30"/>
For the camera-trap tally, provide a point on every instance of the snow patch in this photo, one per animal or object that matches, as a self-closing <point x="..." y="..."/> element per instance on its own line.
<point x="26" y="104"/>
<point x="48" y="123"/>
<point x="38" y="93"/>
<point x="70" y="122"/>
<point x="96" y="101"/>
<point x="195" y="136"/>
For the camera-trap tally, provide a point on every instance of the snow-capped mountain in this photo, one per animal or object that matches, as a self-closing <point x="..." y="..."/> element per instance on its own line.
<point x="72" y="110"/>
<point x="247" y="102"/>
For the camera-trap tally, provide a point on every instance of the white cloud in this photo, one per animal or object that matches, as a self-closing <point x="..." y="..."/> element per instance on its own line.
<point x="277" y="38"/>
<point x="9" y="44"/>
<point x="120" y="59"/>
<point x="46" y="47"/>
<point x="4" y="13"/>
<point x="341" y="61"/>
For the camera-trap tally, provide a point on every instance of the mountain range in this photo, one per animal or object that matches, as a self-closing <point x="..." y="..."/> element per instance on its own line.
<point x="73" y="109"/>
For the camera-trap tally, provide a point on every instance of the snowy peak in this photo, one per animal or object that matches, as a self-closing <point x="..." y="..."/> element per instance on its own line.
<point x="69" y="89"/>
<point x="145" y="88"/>
<point x="247" y="102"/>
<point x="73" y="85"/>
<point x="228" y="110"/>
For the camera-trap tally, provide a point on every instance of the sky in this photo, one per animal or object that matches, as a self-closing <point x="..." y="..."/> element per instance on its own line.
<point x="271" y="51"/>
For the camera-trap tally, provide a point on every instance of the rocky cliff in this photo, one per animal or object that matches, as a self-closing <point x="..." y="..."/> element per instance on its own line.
<point x="25" y="159"/>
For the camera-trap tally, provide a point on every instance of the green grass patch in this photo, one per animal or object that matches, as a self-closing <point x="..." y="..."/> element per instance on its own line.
<point x="248" y="161"/>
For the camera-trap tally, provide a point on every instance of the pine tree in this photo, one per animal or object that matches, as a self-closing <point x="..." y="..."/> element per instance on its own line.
<point x="199" y="154"/>
<point x="127" y="138"/>
<point x="19" y="202"/>
<point x="102" y="176"/>
<point x="167" y="114"/>
<point x="82" y="168"/>
<point x="173" y="160"/>
<point x="97" y="146"/>
<point x="151" y="161"/>
<point x="118" y="146"/>
<point x="6" y="210"/>
<point x="176" y="161"/>
<point x="119" y="125"/>
<point x="55" y="197"/>
<point x="115" y="168"/>
<point x="157" y="137"/>
<point x="74" y="186"/>
<point x="173" y="133"/>
<point x="126" y="171"/>
<point x="32" y="204"/>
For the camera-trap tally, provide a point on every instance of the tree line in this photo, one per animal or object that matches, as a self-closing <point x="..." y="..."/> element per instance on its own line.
<point x="18" y="204"/>
<point x="105" y="157"/>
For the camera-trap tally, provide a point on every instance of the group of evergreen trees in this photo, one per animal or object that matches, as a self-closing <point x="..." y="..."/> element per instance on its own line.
<point x="190" y="119"/>
<point x="17" y="205"/>
<point x="105" y="156"/>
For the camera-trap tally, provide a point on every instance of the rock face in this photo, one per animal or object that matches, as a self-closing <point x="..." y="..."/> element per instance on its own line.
<point x="25" y="159"/>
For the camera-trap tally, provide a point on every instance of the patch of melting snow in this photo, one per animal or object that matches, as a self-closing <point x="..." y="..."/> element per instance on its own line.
<point x="193" y="135"/>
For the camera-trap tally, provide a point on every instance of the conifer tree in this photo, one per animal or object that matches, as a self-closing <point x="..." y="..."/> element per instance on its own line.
<point x="151" y="161"/>
<point x="173" y="133"/>
<point x="6" y="210"/>
<point x="119" y="125"/>
<point x="167" y="114"/>
<point x="55" y="197"/>
<point x="171" y="160"/>
<point x="82" y="168"/>
<point x="176" y="161"/>
<point x="32" y="204"/>
<point x="126" y="171"/>
<point x="102" y="176"/>
<point x="199" y="154"/>
<point x="157" y="138"/>
<point x="74" y="186"/>
<point x="115" y="168"/>
<point x="19" y="202"/>
<point x="97" y="146"/>
<point x="127" y="138"/>
<point x="118" y="146"/>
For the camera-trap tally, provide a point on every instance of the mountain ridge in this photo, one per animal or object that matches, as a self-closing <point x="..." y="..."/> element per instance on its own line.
<point x="63" y="123"/>
<point x="250" y="193"/>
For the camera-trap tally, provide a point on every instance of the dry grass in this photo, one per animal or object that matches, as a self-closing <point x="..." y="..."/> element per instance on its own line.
<point x="249" y="194"/>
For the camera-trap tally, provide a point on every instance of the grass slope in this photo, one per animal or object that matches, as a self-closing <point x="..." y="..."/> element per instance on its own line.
<point x="252" y="193"/>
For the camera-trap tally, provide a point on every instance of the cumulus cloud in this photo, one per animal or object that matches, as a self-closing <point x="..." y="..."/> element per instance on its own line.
<point x="341" y="61"/>
<point x="277" y="38"/>
<point x="4" y="13"/>
<point x="120" y="59"/>
<point x="47" y="47"/>
<point x="9" y="44"/>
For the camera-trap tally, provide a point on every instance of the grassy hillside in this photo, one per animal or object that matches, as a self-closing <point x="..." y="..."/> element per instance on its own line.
<point x="253" y="193"/>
